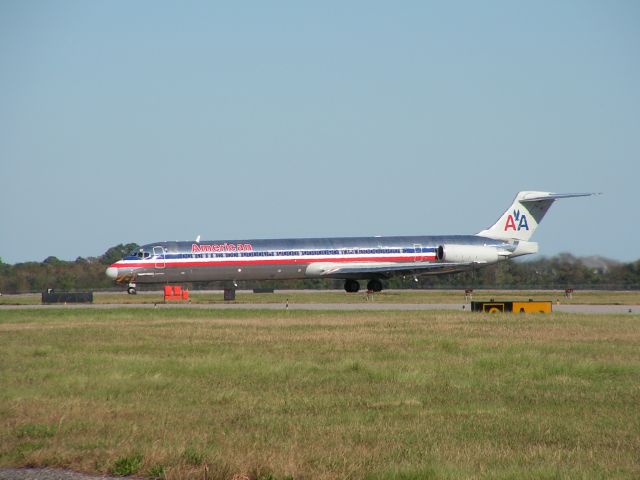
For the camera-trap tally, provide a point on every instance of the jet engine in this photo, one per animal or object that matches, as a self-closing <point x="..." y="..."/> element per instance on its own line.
<point x="467" y="254"/>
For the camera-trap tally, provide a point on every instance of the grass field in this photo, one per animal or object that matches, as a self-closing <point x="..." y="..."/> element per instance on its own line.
<point x="597" y="297"/>
<point x="320" y="395"/>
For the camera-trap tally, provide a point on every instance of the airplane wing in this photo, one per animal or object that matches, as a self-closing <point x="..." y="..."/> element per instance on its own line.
<point x="359" y="270"/>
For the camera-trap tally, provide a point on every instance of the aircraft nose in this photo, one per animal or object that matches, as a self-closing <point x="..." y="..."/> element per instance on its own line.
<point x="112" y="272"/>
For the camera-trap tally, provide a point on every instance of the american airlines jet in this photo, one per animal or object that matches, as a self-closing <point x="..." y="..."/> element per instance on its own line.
<point x="352" y="259"/>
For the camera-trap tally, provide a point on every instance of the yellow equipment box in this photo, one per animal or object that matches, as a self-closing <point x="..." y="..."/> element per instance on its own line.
<point x="514" y="307"/>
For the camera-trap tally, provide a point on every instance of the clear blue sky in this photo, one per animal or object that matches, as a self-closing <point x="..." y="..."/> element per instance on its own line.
<point x="145" y="121"/>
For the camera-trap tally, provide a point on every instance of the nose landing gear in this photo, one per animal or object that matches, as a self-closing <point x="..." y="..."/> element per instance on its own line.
<point x="131" y="289"/>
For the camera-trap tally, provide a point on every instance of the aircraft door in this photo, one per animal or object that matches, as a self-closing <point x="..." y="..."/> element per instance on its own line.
<point x="158" y="254"/>
<point x="417" y="247"/>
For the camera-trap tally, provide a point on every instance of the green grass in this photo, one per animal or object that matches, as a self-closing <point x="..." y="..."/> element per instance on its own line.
<point x="400" y="395"/>
<point x="332" y="296"/>
<point x="126" y="466"/>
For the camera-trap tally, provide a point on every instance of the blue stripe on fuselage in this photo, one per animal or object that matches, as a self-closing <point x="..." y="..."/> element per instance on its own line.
<point x="298" y="253"/>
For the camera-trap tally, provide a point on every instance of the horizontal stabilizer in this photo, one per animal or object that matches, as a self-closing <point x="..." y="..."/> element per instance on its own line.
<point x="554" y="196"/>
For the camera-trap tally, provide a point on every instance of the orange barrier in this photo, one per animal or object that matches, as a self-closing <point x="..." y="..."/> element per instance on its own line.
<point x="175" y="292"/>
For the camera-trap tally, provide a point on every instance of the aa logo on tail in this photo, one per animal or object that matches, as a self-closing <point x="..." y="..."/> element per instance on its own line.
<point x="517" y="221"/>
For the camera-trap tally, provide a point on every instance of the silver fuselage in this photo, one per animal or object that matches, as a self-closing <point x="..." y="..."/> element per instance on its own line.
<point x="264" y="259"/>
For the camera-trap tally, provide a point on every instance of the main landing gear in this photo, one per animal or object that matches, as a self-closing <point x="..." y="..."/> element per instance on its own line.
<point x="374" y="285"/>
<point x="352" y="286"/>
<point x="131" y="289"/>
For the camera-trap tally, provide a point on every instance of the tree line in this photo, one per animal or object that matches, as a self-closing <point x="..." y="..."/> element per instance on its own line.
<point x="80" y="274"/>
<point x="557" y="272"/>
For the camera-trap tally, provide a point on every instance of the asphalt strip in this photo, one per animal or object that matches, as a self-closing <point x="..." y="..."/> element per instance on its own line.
<point x="48" y="474"/>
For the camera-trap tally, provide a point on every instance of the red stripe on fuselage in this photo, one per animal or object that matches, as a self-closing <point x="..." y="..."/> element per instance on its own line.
<point x="287" y="261"/>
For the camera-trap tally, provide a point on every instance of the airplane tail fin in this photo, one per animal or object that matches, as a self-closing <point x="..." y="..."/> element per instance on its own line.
<point x="524" y="215"/>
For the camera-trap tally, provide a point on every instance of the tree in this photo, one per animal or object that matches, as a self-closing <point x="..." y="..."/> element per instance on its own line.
<point x="117" y="253"/>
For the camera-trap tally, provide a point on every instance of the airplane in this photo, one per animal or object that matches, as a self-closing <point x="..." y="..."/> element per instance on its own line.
<point x="352" y="259"/>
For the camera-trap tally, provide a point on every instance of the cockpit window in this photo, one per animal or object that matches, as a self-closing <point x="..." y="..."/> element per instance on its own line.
<point x="141" y="253"/>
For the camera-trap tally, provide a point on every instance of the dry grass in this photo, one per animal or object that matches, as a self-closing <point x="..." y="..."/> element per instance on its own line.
<point x="218" y="394"/>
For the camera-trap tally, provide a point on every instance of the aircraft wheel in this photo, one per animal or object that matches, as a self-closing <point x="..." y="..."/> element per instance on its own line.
<point x="131" y="291"/>
<point x="374" y="285"/>
<point x="351" y="286"/>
